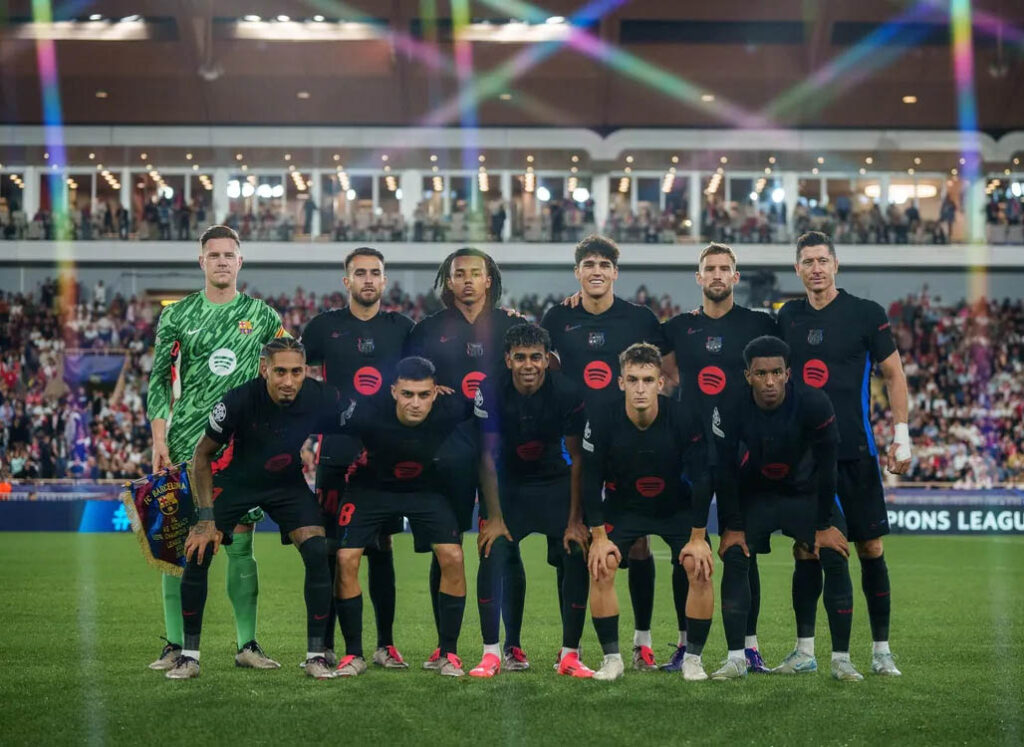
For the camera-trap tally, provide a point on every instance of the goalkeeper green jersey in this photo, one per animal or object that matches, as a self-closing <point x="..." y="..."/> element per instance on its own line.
<point x="204" y="349"/>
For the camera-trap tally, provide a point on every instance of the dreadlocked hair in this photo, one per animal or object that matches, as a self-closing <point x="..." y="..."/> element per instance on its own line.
<point x="445" y="271"/>
<point x="280" y="345"/>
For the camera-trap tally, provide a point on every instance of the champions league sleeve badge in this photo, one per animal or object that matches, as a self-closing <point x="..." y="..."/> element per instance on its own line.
<point x="160" y="509"/>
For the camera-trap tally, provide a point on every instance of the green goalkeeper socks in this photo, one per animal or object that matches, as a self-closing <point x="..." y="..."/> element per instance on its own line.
<point x="172" y="609"/>
<point x="243" y="586"/>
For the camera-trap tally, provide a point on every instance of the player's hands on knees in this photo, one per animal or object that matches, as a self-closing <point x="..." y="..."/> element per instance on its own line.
<point x="490" y="531"/>
<point x="730" y="538"/>
<point x="703" y="560"/>
<point x="574" y="300"/>
<point x="893" y="462"/>
<point x="202" y="534"/>
<point x="597" y="561"/>
<point x="161" y="457"/>
<point x="833" y="539"/>
<point x="575" y="532"/>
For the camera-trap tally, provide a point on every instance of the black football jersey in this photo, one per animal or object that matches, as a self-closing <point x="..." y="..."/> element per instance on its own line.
<point x="400" y="458"/>
<point x="464" y="354"/>
<point x="834" y="350"/>
<point x="588" y="345"/>
<point x="709" y="354"/>
<point x="265" y="437"/>
<point x="531" y="428"/>
<point x="653" y="471"/>
<point x="358" y="357"/>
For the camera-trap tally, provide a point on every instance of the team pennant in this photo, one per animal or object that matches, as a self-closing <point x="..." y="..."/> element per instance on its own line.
<point x="160" y="508"/>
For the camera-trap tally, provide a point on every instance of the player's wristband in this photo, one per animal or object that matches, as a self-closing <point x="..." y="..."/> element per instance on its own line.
<point x="204" y="514"/>
<point x="901" y="438"/>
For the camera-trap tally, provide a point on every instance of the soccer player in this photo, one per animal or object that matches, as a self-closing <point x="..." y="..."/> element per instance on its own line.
<point x="206" y="344"/>
<point x="358" y="348"/>
<point x="524" y="415"/>
<point x="836" y="338"/>
<point x="398" y="476"/>
<point x="639" y="452"/>
<point x="587" y="338"/>
<point x="786" y="480"/>
<point x="266" y="420"/>
<point x="465" y="342"/>
<point x="708" y="344"/>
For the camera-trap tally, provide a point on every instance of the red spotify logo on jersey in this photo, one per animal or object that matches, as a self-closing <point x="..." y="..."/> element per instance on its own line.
<point x="597" y="375"/>
<point x="711" y="380"/>
<point x="408" y="470"/>
<point x="531" y="451"/>
<point x="277" y="463"/>
<point x="775" y="470"/>
<point x="650" y="487"/>
<point x="367" y="381"/>
<point x="815" y="373"/>
<point x="471" y="383"/>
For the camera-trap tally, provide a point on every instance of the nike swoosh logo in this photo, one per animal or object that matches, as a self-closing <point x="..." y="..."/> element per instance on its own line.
<point x="691" y="330"/>
<point x="320" y="617"/>
<point x="570" y="328"/>
<point x="186" y="613"/>
<point x="248" y="575"/>
<point x="194" y="331"/>
<point x="445" y="339"/>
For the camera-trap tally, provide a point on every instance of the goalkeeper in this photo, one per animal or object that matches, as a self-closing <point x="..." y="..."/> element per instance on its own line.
<point x="207" y="343"/>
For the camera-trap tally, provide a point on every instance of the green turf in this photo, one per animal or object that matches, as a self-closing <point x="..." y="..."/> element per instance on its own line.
<point x="81" y="616"/>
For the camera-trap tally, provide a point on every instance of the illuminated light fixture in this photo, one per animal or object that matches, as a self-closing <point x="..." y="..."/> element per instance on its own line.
<point x="391" y="183"/>
<point x="134" y="18"/>
<point x="719" y="171"/>
<point x="778" y="195"/>
<point x="283" y="18"/>
<point x="529" y="169"/>
<point x="628" y="170"/>
<point x="438" y="183"/>
<point x="506" y="96"/>
<point x="434" y="169"/>
<point x="318" y="18"/>
<point x="251" y="18"/>
<point x="287" y="156"/>
<point x="149" y="167"/>
<point x="675" y="159"/>
<point x="1016" y="162"/>
<point x="277" y="190"/>
<point x="433" y="158"/>
<point x="234" y="190"/>
<point x="1015" y="189"/>
<point x="481" y="158"/>
<point x="573" y="170"/>
<point x="821" y="159"/>
<point x="238" y="156"/>
<point x="555" y="20"/>
<point x="143" y="156"/>
<point x="917" y="161"/>
<point x="667" y="182"/>
<point x="767" y="169"/>
<point x="543" y="194"/>
<point x="46" y="155"/>
<point x="572" y="184"/>
<point x="195" y="167"/>
<point x="963" y="161"/>
<point x="753" y="196"/>
<point x="723" y="159"/>
<point x="771" y="159"/>
<point x="302" y="95"/>
<point x="384" y="157"/>
<point x="900" y="193"/>
<point x="291" y="167"/>
<point x="99" y="167"/>
<point x="102" y="94"/>
<point x="92" y="156"/>
<point x="1006" y="171"/>
<point x="575" y="159"/>
<point x="911" y="171"/>
<point x="244" y="167"/>
<point x="529" y="181"/>
<point x="248" y="190"/>
<point x="862" y="171"/>
<point x="337" y="157"/>
<point x="910" y="99"/>
<point x="350" y="194"/>
<point x="624" y="185"/>
<point x="869" y="160"/>
<point x="954" y="172"/>
<point x="707" y="97"/>
<point x="264" y="191"/>
<point x="483" y="182"/>
<point x="95" y="17"/>
<point x="629" y="159"/>
<point x="814" y="170"/>
<point x="344" y="181"/>
<point x="387" y="169"/>
<point x="581" y="194"/>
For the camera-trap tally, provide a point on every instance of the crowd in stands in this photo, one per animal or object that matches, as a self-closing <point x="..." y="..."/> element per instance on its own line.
<point x="964" y="365"/>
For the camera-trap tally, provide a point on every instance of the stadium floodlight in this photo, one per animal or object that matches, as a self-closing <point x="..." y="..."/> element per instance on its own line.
<point x="251" y="18"/>
<point x="96" y="17"/>
<point x="283" y="18"/>
<point x="135" y="17"/>
<point x="264" y="191"/>
<point x="234" y="189"/>
<point x="581" y="194"/>
<point x="248" y="190"/>
<point x="778" y="195"/>
<point x="543" y="194"/>
<point x="277" y="190"/>
<point x="350" y="195"/>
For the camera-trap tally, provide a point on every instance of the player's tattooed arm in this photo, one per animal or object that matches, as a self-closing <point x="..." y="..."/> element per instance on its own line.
<point x="575" y="531"/>
<point x="204" y="531"/>
<point x="494" y="527"/>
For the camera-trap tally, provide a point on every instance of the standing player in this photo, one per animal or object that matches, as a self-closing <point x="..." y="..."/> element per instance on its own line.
<point x="267" y="420"/>
<point x="785" y="439"/>
<point x="639" y="453"/>
<point x="836" y="338"/>
<point x="524" y="415"/>
<point x="358" y="348"/>
<point x="708" y="345"/>
<point x="398" y="477"/>
<point x="587" y="338"/>
<point x="216" y="335"/>
<point x="465" y="341"/>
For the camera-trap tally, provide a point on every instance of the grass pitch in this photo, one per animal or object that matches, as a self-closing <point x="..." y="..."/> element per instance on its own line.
<point x="81" y="616"/>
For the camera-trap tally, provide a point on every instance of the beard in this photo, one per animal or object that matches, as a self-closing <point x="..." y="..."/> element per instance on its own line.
<point x="717" y="295"/>
<point x="363" y="300"/>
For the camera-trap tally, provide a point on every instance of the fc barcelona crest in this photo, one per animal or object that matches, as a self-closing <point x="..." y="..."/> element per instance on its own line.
<point x="365" y="345"/>
<point x="245" y="327"/>
<point x="713" y="345"/>
<point x="815" y="336"/>
<point x="474" y="349"/>
<point x="595" y="339"/>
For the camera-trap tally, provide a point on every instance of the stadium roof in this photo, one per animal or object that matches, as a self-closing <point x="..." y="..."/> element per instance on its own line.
<point x="652" y="63"/>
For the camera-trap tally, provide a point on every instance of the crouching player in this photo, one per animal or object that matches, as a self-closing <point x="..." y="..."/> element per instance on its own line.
<point x="524" y="414"/>
<point x="640" y="452"/>
<point x="266" y="420"/>
<point x="786" y="481"/>
<point x="397" y="476"/>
